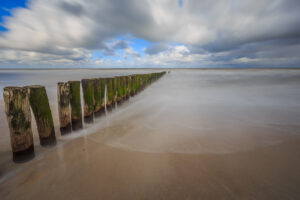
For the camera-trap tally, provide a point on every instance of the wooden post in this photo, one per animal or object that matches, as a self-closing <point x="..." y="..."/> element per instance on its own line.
<point x="18" y="114"/>
<point x="123" y="87"/>
<point x="119" y="91"/>
<point x="98" y="96"/>
<point x="64" y="111"/>
<point x="145" y="80"/>
<point x="88" y="99"/>
<point x="133" y="85"/>
<point x="114" y="90"/>
<point x="141" y="82"/>
<point x="39" y="103"/>
<point x="103" y="95"/>
<point x="76" y="113"/>
<point x="109" y="88"/>
<point x="130" y="80"/>
<point x="138" y="82"/>
<point x="127" y="87"/>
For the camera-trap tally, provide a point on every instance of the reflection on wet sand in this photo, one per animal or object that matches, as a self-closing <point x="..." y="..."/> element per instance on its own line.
<point x="192" y="135"/>
<point x="91" y="170"/>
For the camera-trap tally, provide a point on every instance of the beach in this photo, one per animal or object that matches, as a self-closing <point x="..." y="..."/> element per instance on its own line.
<point x="193" y="134"/>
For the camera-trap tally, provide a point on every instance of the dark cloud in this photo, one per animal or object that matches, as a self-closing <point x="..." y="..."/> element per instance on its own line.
<point x="120" y="44"/>
<point x="110" y="48"/>
<point x="156" y="48"/>
<point x="73" y="8"/>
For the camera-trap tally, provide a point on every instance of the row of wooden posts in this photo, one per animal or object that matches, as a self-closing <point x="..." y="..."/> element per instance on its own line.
<point x="98" y="94"/>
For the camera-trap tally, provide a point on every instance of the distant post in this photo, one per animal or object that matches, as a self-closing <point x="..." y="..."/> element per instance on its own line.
<point x="119" y="91"/>
<point x="114" y="90"/>
<point x="76" y="113"/>
<point x="138" y="82"/>
<point x="64" y="111"/>
<point x="39" y="103"/>
<point x="110" y="92"/>
<point x="133" y="85"/>
<point x="127" y="87"/>
<point x="123" y="87"/>
<point x="103" y="93"/>
<point x="18" y="114"/>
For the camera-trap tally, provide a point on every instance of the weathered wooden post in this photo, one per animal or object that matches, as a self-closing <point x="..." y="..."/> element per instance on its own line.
<point x="114" y="90"/>
<point x="150" y="78"/>
<point x="64" y="111"/>
<point x="130" y="80"/>
<point x="123" y="87"/>
<point x="145" y="76"/>
<point x="103" y="92"/>
<point x="40" y="107"/>
<point x="127" y="87"/>
<point x="119" y="89"/>
<point x="110" y="92"/>
<point x="143" y="81"/>
<point x="88" y="99"/>
<point x="135" y="84"/>
<point x="76" y="113"/>
<point x="98" y="97"/>
<point x="138" y="83"/>
<point x="132" y="85"/>
<point x="18" y="114"/>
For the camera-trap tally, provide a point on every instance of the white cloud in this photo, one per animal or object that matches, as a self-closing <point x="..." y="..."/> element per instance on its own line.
<point x="175" y="56"/>
<point x="69" y="31"/>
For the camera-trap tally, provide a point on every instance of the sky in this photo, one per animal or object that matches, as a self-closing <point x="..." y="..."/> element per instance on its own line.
<point x="149" y="33"/>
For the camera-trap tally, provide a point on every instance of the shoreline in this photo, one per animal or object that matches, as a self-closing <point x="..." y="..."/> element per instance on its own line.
<point x="157" y="69"/>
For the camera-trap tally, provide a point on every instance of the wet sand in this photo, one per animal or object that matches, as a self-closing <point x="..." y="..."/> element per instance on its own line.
<point x="191" y="135"/>
<point x="85" y="169"/>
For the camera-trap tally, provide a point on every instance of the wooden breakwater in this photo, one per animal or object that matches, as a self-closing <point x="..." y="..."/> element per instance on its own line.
<point x="99" y="94"/>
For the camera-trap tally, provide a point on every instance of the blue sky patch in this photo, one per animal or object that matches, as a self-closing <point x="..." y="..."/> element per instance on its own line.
<point x="180" y="3"/>
<point x="6" y="6"/>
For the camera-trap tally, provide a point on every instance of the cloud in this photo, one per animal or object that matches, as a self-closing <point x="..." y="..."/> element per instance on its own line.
<point x="120" y="44"/>
<point x="73" y="8"/>
<point x="156" y="48"/>
<point x="176" y="56"/>
<point x="173" y="56"/>
<point x="222" y="31"/>
<point x="132" y="53"/>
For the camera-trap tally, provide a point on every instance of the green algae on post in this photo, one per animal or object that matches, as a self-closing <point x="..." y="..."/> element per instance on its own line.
<point x="119" y="90"/>
<point x="130" y="90"/>
<point x="127" y="87"/>
<point x="123" y="87"/>
<point x="115" y="89"/>
<point x="64" y="111"/>
<point x="88" y="99"/>
<point x="138" y="83"/>
<point x="103" y="95"/>
<point x="18" y="115"/>
<point x="98" y="97"/>
<point x="109" y="92"/>
<point x="39" y="103"/>
<point x="133" y="85"/>
<point x="76" y="113"/>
